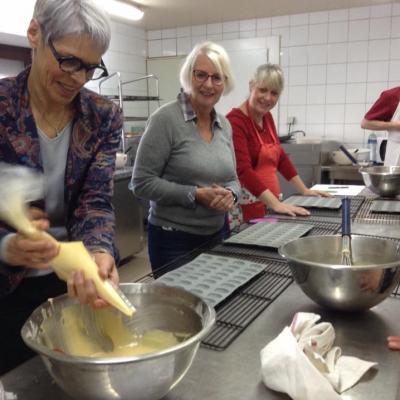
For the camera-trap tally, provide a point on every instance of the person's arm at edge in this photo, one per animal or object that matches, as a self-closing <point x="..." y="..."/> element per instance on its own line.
<point x="376" y="125"/>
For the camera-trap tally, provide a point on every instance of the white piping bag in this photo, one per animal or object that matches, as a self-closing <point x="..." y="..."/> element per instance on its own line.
<point x="18" y="185"/>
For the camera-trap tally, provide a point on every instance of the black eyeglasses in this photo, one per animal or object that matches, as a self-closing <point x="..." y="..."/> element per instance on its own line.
<point x="202" y="76"/>
<point x="73" y="64"/>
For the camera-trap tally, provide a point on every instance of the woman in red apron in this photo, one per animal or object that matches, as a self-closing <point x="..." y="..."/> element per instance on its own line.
<point x="259" y="155"/>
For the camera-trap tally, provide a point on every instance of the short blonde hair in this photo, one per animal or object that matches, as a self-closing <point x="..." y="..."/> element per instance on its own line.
<point x="270" y="75"/>
<point x="218" y="56"/>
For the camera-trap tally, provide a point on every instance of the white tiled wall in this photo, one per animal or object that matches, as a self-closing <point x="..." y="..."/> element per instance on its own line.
<point x="336" y="63"/>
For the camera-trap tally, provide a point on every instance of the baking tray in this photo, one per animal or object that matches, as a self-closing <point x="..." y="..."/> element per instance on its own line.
<point x="212" y="277"/>
<point x="268" y="234"/>
<point x="314" y="202"/>
<point x="385" y="206"/>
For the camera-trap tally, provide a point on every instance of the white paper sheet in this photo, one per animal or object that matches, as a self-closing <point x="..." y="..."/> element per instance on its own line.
<point x="340" y="190"/>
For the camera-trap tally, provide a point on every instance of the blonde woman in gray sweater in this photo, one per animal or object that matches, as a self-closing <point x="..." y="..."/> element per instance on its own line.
<point x="185" y="163"/>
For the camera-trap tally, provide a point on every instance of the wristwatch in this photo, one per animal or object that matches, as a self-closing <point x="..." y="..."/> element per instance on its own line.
<point x="192" y="198"/>
<point x="235" y="198"/>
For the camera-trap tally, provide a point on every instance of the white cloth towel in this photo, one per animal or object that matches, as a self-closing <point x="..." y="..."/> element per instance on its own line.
<point x="302" y="362"/>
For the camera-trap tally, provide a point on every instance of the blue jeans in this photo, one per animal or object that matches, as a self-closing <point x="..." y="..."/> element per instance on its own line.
<point x="166" y="246"/>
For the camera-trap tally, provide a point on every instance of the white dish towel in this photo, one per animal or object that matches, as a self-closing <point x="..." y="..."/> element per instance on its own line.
<point x="301" y="361"/>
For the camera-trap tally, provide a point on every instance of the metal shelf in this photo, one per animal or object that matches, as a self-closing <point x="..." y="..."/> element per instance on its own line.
<point x="121" y="98"/>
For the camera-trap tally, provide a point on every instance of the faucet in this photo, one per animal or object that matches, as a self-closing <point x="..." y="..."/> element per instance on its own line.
<point x="298" y="131"/>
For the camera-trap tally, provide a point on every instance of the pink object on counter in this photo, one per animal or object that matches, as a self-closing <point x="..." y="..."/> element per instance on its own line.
<point x="273" y="220"/>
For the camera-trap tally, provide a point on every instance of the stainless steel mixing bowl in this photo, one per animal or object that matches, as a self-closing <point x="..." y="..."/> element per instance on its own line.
<point x="384" y="181"/>
<point x="146" y="377"/>
<point x="315" y="262"/>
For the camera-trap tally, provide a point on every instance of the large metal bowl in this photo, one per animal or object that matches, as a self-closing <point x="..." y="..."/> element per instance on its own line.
<point x="384" y="181"/>
<point x="316" y="266"/>
<point x="146" y="377"/>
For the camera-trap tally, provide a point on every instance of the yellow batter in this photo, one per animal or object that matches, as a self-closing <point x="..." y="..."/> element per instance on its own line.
<point x="78" y="339"/>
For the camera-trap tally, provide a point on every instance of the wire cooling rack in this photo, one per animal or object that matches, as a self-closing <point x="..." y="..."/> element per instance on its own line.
<point x="237" y="312"/>
<point x="366" y="215"/>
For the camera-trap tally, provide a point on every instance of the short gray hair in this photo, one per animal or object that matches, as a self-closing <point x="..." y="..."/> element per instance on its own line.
<point x="59" y="18"/>
<point x="218" y="56"/>
<point x="270" y="75"/>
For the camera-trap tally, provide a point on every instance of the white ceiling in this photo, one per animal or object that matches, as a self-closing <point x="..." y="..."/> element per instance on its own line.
<point x="161" y="14"/>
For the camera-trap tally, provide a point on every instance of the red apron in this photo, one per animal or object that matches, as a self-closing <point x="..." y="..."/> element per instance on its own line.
<point x="266" y="169"/>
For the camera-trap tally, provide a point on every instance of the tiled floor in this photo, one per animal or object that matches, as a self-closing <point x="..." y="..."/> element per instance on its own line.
<point x="136" y="268"/>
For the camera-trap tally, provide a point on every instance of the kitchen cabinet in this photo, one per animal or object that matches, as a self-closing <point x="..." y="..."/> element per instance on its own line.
<point x="129" y="230"/>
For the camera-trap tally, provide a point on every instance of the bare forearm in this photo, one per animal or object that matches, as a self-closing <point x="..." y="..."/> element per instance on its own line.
<point x="269" y="199"/>
<point x="298" y="184"/>
<point x="375" y="125"/>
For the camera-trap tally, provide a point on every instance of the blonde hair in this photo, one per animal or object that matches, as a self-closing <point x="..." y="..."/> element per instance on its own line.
<point x="218" y="56"/>
<point x="270" y="75"/>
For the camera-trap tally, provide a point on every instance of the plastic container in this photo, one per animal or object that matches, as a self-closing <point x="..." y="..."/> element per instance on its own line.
<point x="372" y="145"/>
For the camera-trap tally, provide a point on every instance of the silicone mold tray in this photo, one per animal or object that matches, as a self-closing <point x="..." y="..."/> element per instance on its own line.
<point x="269" y="234"/>
<point x="316" y="202"/>
<point x="385" y="206"/>
<point x="212" y="277"/>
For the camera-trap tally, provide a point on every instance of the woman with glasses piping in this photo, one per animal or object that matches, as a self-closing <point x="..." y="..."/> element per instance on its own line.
<point x="259" y="154"/>
<point x="50" y="123"/>
<point x="185" y="164"/>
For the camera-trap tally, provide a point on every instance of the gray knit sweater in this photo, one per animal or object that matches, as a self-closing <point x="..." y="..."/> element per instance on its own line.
<point x="172" y="160"/>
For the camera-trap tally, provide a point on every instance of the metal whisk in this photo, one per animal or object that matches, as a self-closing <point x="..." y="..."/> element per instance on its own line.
<point x="346" y="232"/>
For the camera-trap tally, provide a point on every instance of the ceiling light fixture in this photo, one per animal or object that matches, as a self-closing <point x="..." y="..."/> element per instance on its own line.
<point x="122" y="9"/>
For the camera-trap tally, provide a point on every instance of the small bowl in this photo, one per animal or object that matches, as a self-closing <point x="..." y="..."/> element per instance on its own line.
<point x="147" y="377"/>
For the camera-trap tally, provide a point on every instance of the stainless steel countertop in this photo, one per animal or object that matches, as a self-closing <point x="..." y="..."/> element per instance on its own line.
<point x="234" y="374"/>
